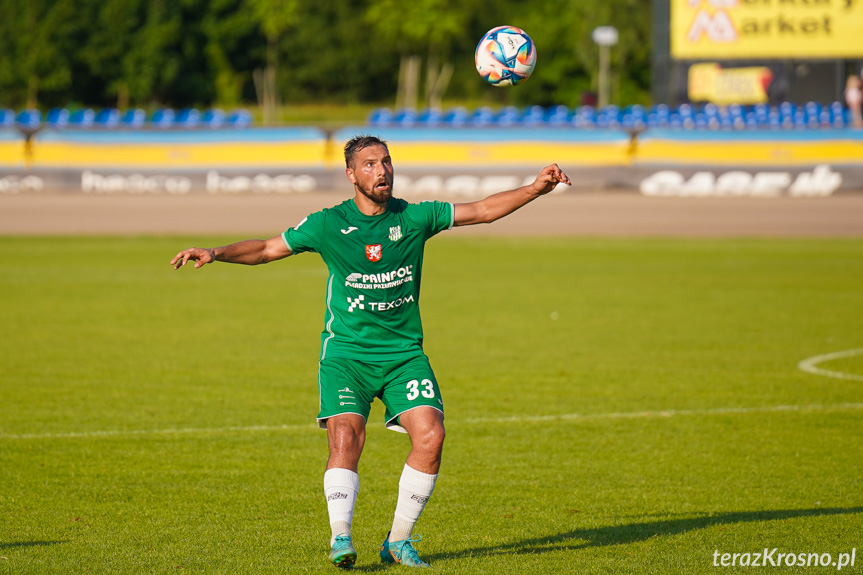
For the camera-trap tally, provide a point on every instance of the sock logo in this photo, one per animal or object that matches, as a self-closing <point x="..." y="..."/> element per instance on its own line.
<point x="420" y="499"/>
<point x="337" y="495"/>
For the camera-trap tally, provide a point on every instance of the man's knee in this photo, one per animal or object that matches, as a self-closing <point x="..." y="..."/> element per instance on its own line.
<point x="346" y="434"/>
<point x="426" y="430"/>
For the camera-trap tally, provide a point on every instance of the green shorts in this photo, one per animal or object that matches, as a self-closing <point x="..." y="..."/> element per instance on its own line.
<point x="350" y="386"/>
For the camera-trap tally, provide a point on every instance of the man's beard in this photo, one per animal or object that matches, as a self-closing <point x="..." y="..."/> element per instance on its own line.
<point x="377" y="196"/>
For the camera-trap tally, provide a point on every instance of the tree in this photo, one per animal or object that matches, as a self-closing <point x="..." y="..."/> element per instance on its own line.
<point x="421" y="26"/>
<point x="274" y="18"/>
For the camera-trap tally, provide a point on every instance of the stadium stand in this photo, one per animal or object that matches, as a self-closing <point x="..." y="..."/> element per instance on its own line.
<point x="735" y="117"/>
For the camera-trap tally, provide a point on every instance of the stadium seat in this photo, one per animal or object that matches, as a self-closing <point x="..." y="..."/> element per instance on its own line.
<point x="405" y="117"/>
<point x="685" y="111"/>
<point x="133" y="118"/>
<point x="837" y="115"/>
<point x="187" y="118"/>
<point x="213" y="118"/>
<point x="633" y="117"/>
<point x="584" y="118"/>
<point x="608" y="117"/>
<point x="162" y="118"/>
<point x="430" y="117"/>
<point x="82" y="118"/>
<point x="239" y="118"/>
<point x="774" y="119"/>
<point x="557" y="116"/>
<point x="7" y="118"/>
<point x="380" y="117"/>
<point x="482" y="117"/>
<point x="533" y="116"/>
<point x="507" y="116"/>
<point x="107" y="118"/>
<point x="57" y="117"/>
<point x="29" y="119"/>
<point x="456" y="117"/>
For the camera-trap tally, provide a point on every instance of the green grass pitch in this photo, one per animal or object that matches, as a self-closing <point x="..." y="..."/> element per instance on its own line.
<point x="612" y="406"/>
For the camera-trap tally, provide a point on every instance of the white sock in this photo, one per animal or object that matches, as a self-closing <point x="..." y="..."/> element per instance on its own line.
<point x="415" y="488"/>
<point x="341" y="487"/>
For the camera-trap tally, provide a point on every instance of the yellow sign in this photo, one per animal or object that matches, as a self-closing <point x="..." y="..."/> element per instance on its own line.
<point x="722" y="86"/>
<point x="728" y="29"/>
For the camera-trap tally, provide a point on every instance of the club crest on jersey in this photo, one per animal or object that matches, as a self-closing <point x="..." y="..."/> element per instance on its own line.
<point x="374" y="252"/>
<point x="395" y="233"/>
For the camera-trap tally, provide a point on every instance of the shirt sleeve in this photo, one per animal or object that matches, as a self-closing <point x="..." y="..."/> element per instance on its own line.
<point x="305" y="236"/>
<point x="439" y="216"/>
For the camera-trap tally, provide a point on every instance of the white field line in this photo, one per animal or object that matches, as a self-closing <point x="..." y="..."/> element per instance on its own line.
<point x="666" y="413"/>
<point x="810" y="364"/>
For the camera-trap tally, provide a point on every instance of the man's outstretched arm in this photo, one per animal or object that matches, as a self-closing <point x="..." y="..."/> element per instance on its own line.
<point x="248" y="252"/>
<point x="499" y="205"/>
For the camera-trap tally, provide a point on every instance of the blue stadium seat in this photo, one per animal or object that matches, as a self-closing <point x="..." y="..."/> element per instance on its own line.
<point x="787" y="109"/>
<point x="687" y="115"/>
<point x="633" y="117"/>
<point x="430" y="117"/>
<point x="187" y="118"/>
<point x="837" y="115"/>
<point x="557" y="116"/>
<point x="799" y="119"/>
<point x="456" y="117"/>
<point x="608" y="117"/>
<point x="29" y="119"/>
<point x="482" y="117"/>
<point x="213" y="118"/>
<point x="583" y="118"/>
<point x="239" y="118"/>
<point x="405" y="117"/>
<point x="661" y="112"/>
<point x="380" y="117"/>
<point x="7" y="118"/>
<point x="82" y="118"/>
<point x="107" y="118"/>
<point x="813" y="109"/>
<point x="133" y="118"/>
<point x="533" y="116"/>
<point x="508" y="116"/>
<point x="162" y="118"/>
<point x="57" y="117"/>
<point x="774" y="119"/>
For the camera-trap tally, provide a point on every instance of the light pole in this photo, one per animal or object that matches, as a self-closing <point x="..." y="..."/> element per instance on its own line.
<point x="605" y="37"/>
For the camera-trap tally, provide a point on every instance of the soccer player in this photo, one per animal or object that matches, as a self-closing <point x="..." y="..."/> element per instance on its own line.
<point x="372" y="342"/>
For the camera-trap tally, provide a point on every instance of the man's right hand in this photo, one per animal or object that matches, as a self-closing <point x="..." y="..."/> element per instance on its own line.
<point x="200" y="256"/>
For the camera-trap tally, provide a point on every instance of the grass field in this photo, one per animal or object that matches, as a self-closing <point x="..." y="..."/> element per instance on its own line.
<point x="613" y="406"/>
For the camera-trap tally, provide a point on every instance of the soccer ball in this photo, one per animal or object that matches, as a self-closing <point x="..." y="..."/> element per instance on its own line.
<point x="505" y="56"/>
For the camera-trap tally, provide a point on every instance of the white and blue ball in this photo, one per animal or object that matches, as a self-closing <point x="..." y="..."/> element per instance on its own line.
<point x="505" y="56"/>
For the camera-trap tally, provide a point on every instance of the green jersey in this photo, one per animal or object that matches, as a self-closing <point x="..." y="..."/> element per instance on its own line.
<point x="375" y="269"/>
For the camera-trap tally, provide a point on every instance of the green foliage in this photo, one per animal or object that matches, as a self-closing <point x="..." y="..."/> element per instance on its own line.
<point x="199" y="52"/>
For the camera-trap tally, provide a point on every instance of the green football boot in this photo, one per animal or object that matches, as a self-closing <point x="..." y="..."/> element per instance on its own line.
<point x="343" y="554"/>
<point x="402" y="552"/>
